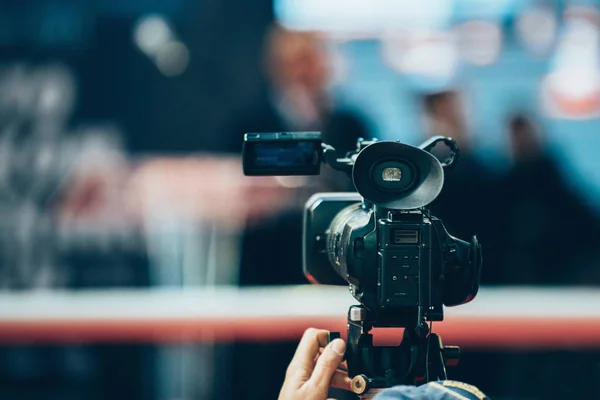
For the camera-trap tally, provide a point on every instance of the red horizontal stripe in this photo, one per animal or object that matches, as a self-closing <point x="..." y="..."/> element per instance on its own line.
<point x="505" y="332"/>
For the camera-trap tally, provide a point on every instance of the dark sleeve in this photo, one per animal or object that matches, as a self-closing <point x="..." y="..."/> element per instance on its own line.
<point x="344" y="129"/>
<point x="232" y="135"/>
<point x="260" y="117"/>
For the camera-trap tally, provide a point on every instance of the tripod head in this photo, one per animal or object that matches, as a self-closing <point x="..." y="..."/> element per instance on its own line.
<point x="419" y="358"/>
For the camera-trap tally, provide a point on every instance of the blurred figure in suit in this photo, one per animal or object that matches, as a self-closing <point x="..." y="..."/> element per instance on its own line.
<point x="547" y="238"/>
<point x="463" y="202"/>
<point x="298" y="70"/>
<point x="541" y="217"/>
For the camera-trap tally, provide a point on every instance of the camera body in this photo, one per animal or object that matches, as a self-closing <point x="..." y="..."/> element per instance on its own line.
<point x="386" y="258"/>
<point x="399" y="264"/>
<point x="399" y="261"/>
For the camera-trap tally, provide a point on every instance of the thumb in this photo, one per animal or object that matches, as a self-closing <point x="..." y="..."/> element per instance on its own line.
<point x="327" y="364"/>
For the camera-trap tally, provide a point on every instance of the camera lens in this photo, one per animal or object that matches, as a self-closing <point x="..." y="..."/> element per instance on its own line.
<point x="392" y="176"/>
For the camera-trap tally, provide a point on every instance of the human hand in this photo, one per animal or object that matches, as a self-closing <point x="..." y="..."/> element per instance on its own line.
<point x="315" y="368"/>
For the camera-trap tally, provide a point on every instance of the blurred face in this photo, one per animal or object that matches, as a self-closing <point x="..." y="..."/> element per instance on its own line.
<point x="448" y="108"/>
<point x="298" y="60"/>
<point x="449" y="119"/>
<point x="525" y="142"/>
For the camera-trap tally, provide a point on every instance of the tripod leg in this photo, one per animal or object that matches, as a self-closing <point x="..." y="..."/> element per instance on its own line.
<point x="436" y="366"/>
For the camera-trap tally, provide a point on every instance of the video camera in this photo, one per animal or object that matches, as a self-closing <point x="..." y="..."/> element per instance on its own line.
<point x="399" y="261"/>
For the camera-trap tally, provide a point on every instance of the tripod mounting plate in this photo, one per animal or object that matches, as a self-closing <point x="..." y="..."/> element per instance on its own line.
<point x="419" y="358"/>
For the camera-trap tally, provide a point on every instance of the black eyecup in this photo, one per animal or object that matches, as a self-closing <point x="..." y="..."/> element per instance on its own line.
<point x="426" y="177"/>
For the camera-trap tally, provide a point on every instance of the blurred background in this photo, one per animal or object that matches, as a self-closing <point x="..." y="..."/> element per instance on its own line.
<point x="121" y="124"/>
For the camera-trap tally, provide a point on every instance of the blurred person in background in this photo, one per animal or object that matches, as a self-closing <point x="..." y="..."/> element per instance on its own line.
<point x="541" y="217"/>
<point x="466" y="204"/>
<point x="299" y="72"/>
<point x="547" y="238"/>
<point x="463" y="203"/>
